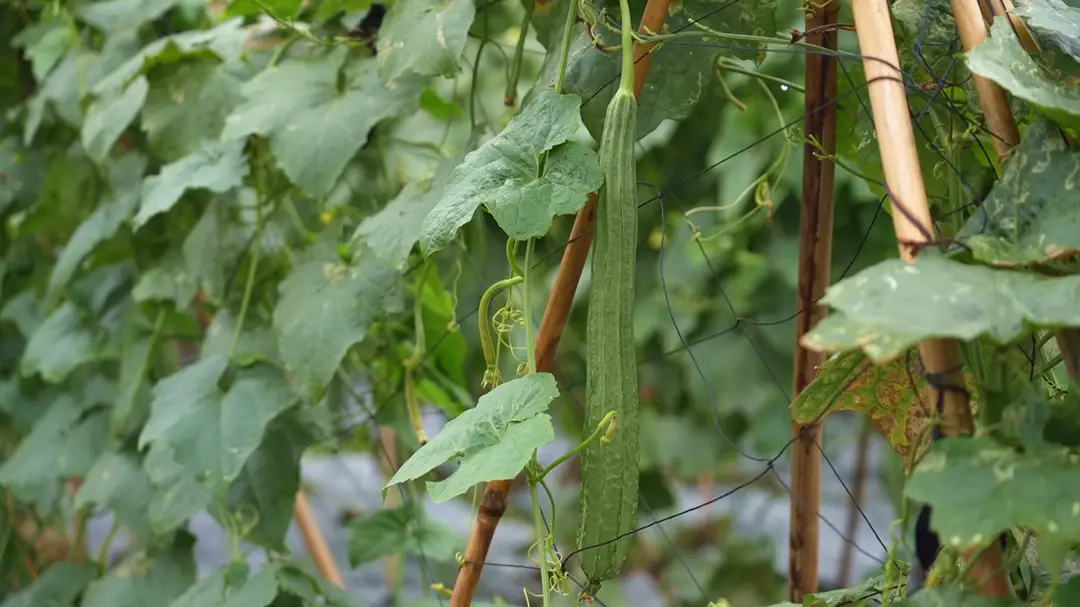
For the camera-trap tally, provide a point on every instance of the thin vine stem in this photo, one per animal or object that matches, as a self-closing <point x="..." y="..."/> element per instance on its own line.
<point x="541" y="535"/>
<point x="528" y="307"/>
<point x="599" y="433"/>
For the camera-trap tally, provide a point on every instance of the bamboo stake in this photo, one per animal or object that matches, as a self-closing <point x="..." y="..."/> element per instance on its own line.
<point x="900" y="162"/>
<point x="314" y="540"/>
<point x="496" y="493"/>
<point x="969" y="15"/>
<point x="815" y="260"/>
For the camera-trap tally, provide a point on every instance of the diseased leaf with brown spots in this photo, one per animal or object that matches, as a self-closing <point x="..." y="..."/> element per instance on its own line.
<point x="894" y="395"/>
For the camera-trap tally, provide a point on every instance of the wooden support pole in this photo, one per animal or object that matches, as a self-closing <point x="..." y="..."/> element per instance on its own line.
<point x="912" y="223"/>
<point x="815" y="261"/>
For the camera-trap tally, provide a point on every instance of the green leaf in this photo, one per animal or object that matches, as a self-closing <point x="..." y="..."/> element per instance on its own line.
<point x="282" y="9"/>
<point x="256" y="343"/>
<point x="217" y="167"/>
<point x="325" y="308"/>
<point x="1002" y="488"/>
<point x="230" y="586"/>
<point x="424" y="37"/>
<point x="392" y="232"/>
<point x="23" y="170"/>
<point x="118" y="482"/>
<point x="260" y="500"/>
<point x="329" y="8"/>
<point x="209" y="432"/>
<point x="433" y="104"/>
<point x="69" y="338"/>
<point x="1002" y="59"/>
<point x="1054" y="22"/>
<point x="226" y="41"/>
<point x="45" y="44"/>
<point x="891" y="306"/>
<point x="404" y="530"/>
<point x="503" y="175"/>
<point x="110" y="115"/>
<point x="678" y="74"/>
<point x="60" y="585"/>
<point x="204" y="252"/>
<point x="146" y="579"/>
<point x="104" y="222"/>
<point x="954" y="597"/>
<point x="187" y="104"/>
<point x="493" y="440"/>
<point x="115" y="15"/>
<point x="314" y="127"/>
<point x="167" y="280"/>
<point x="1027" y="218"/>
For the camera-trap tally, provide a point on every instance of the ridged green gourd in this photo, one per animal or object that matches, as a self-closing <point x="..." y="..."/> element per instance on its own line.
<point x="609" y="472"/>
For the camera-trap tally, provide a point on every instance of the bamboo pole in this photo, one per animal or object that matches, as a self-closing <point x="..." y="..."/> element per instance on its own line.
<point x="314" y="540"/>
<point x="496" y="493"/>
<point x="815" y="261"/>
<point x="912" y="223"/>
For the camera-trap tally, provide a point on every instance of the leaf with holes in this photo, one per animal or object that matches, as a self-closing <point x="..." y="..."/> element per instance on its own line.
<point x="504" y="176"/>
<point x="217" y="167"/>
<point x="891" y="306"/>
<point x="492" y="441"/>
<point x="1002" y="488"/>
<point x="891" y="394"/>
<point x="423" y="37"/>
<point x="326" y="307"/>
<point x="678" y="73"/>
<point x="1028" y="218"/>
<point x="393" y="530"/>
<point x="1052" y="86"/>
<point x="315" y="123"/>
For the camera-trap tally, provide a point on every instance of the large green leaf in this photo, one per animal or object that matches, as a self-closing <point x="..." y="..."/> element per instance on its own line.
<point x="210" y="430"/>
<point x="187" y="104"/>
<point x="1001" y="488"/>
<point x="23" y="170"/>
<point x="59" y="586"/>
<point x="317" y="113"/>
<point x="45" y="44"/>
<point x="404" y="530"/>
<point x="115" y="15"/>
<point x="64" y="442"/>
<point x="146" y="579"/>
<point x="110" y="115"/>
<point x="493" y="440"/>
<point x="118" y="482"/>
<point x="1002" y="59"/>
<point x="424" y="37"/>
<point x="504" y="176"/>
<point x="891" y="306"/>
<point x="678" y="73"/>
<point x="105" y="221"/>
<point x="392" y="232"/>
<point x="259" y="504"/>
<point x="69" y="337"/>
<point x="326" y="307"/>
<point x="217" y="167"/>
<point x="204" y="250"/>
<point x="1028" y="217"/>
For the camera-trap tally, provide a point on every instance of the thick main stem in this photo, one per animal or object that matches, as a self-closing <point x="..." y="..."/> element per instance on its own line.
<point x="815" y="260"/>
<point x="912" y="223"/>
<point x="493" y="504"/>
